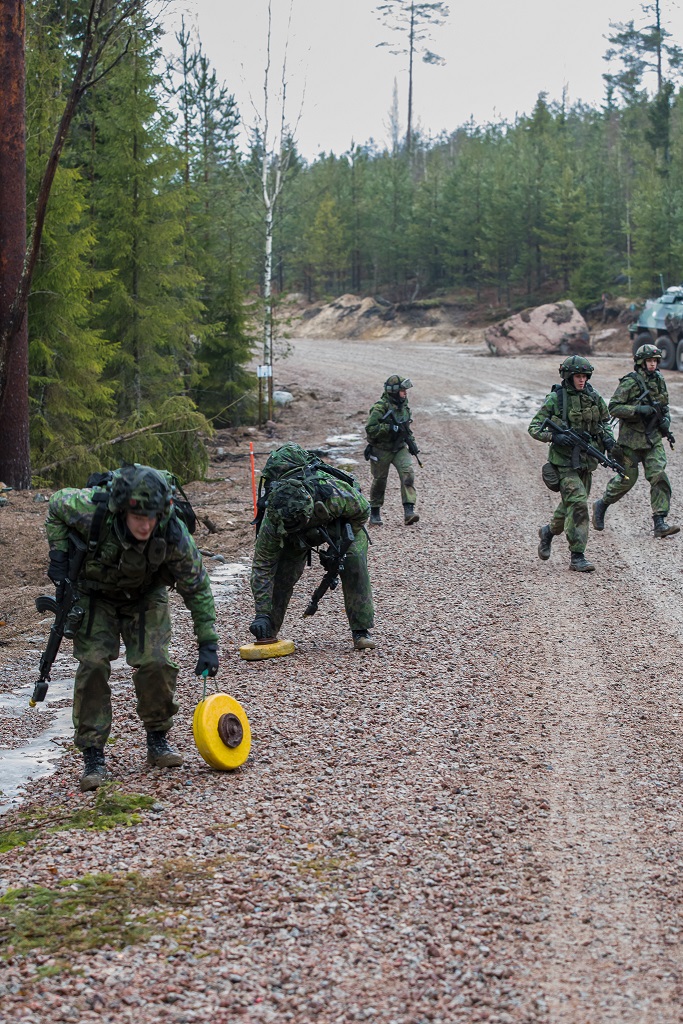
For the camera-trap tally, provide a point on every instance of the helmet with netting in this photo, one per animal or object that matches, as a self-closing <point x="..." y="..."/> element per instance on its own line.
<point x="290" y="505"/>
<point x="395" y="384"/>
<point x="646" y="352"/>
<point x="575" y="364"/>
<point x="140" y="489"/>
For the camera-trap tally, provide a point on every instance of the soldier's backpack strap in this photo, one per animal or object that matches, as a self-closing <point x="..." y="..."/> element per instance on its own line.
<point x="101" y="502"/>
<point x="562" y="389"/>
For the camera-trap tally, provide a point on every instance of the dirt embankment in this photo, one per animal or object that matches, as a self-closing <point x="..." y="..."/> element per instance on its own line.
<point x="479" y="821"/>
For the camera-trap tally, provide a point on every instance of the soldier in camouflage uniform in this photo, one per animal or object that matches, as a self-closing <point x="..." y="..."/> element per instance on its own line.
<point x="641" y="404"/>
<point x="575" y="405"/>
<point x="141" y="548"/>
<point x="295" y="512"/>
<point x="388" y="447"/>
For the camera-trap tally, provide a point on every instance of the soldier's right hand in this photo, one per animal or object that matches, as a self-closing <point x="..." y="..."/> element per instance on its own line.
<point x="57" y="571"/>
<point x="563" y="439"/>
<point x="394" y="428"/>
<point x="261" y="627"/>
<point x="643" y="410"/>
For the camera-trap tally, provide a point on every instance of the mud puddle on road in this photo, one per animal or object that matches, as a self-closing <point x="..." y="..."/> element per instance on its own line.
<point x="226" y="580"/>
<point x="502" y="403"/>
<point x="38" y="756"/>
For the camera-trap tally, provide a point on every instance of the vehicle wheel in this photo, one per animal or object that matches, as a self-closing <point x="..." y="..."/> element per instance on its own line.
<point x="668" y="349"/>
<point x="679" y="355"/>
<point x="644" y="338"/>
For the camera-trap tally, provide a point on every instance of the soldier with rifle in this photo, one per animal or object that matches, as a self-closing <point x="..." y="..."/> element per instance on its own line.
<point x="302" y="514"/>
<point x="114" y="553"/>
<point x="575" y="421"/>
<point x="391" y="442"/>
<point x="641" y="404"/>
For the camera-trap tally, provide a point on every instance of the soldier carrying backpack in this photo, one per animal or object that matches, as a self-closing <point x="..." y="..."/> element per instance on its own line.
<point x="137" y="548"/>
<point x="304" y="505"/>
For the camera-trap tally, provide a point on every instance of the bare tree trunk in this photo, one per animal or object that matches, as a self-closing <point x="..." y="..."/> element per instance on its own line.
<point x="411" y="48"/>
<point x="15" y="467"/>
<point x="103" y="23"/>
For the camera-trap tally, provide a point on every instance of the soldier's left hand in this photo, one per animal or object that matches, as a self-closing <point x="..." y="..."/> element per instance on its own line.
<point x="208" y="660"/>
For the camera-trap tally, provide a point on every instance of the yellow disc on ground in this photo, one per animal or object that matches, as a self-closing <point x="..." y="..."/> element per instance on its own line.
<point x="221" y="731"/>
<point x="275" y="649"/>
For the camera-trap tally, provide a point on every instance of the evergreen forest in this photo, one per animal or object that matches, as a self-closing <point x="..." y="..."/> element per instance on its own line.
<point x="143" y="313"/>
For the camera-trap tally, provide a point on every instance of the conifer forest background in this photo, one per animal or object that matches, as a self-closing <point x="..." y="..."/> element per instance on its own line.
<point x="151" y="264"/>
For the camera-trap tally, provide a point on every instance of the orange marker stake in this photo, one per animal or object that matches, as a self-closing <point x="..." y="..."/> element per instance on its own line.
<point x="253" y="475"/>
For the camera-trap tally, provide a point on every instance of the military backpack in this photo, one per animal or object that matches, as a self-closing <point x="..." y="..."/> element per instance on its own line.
<point x="292" y="462"/>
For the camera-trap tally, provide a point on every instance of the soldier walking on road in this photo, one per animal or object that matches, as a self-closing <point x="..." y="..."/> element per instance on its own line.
<point x="572" y="405"/>
<point x="641" y="404"/>
<point x="137" y="549"/>
<point x="391" y="442"/>
<point x="298" y="515"/>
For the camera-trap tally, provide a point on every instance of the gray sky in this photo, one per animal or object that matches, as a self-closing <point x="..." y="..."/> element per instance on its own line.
<point x="500" y="54"/>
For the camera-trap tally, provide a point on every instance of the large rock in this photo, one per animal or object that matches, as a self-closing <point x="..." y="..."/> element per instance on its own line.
<point x="556" y="327"/>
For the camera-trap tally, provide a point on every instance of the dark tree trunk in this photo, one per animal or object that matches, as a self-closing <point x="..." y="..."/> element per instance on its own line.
<point x="15" y="466"/>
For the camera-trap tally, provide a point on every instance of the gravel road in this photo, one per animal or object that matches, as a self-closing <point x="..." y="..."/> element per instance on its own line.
<point x="479" y="821"/>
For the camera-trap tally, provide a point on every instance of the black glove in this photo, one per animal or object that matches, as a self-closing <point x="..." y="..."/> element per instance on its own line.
<point x="262" y="627"/>
<point x="563" y="438"/>
<point x="327" y="559"/>
<point x="610" y="443"/>
<point x="394" y="428"/>
<point x="665" y="423"/>
<point x="208" y="660"/>
<point x="57" y="571"/>
<point x="643" y="410"/>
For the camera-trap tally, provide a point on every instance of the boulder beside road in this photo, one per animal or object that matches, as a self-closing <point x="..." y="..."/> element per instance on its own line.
<point x="555" y="327"/>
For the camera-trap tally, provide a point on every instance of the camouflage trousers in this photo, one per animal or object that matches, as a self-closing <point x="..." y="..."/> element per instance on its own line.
<point x="380" y="472"/>
<point x="654" y="466"/>
<point x="355" y="584"/>
<point x="145" y="628"/>
<point x="571" y="515"/>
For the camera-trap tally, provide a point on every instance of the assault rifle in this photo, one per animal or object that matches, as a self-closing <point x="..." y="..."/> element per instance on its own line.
<point x="68" y="616"/>
<point x="645" y="398"/>
<point x="580" y="440"/>
<point x="333" y="561"/>
<point x="404" y="434"/>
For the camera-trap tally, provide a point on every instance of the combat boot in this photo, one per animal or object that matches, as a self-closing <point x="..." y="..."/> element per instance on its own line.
<point x="662" y="528"/>
<point x="160" y="753"/>
<point x="362" y="640"/>
<point x="579" y="562"/>
<point x="410" y="515"/>
<point x="375" y="517"/>
<point x="94" y="770"/>
<point x="546" y="540"/>
<point x="599" y="509"/>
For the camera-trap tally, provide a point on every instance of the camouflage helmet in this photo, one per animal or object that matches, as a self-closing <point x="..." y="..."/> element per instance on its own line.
<point x="141" y="490"/>
<point x="646" y="352"/>
<point x="395" y="384"/>
<point x="290" y="505"/>
<point x="575" y="364"/>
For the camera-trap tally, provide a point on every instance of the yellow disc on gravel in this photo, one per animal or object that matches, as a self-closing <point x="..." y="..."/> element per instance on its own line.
<point x="275" y="649"/>
<point x="221" y="731"/>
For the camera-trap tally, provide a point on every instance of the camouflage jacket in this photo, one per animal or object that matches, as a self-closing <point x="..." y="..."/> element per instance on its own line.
<point x="378" y="429"/>
<point x="342" y="504"/>
<point x="584" y="410"/>
<point x="124" y="570"/>
<point x="636" y="431"/>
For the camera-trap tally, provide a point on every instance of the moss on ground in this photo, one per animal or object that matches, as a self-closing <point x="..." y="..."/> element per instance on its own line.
<point x="96" y="910"/>
<point x="109" y="809"/>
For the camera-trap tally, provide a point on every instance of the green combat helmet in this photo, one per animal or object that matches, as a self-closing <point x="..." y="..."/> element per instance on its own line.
<point x="646" y="352"/>
<point x="395" y="384"/>
<point x="290" y="505"/>
<point x="575" y="364"/>
<point x="140" y="489"/>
